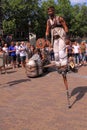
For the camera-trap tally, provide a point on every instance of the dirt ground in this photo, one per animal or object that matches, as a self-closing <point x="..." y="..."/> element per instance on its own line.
<point x="41" y="103"/>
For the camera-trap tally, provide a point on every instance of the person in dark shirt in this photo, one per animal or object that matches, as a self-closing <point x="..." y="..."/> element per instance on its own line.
<point x="70" y="50"/>
<point x="12" y="53"/>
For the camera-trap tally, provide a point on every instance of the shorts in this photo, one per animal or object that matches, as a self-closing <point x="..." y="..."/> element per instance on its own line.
<point x="13" y="58"/>
<point x="18" y="57"/>
<point x="23" y="58"/>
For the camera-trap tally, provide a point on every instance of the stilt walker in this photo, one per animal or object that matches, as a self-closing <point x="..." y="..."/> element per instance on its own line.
<point x="57" y="27"/>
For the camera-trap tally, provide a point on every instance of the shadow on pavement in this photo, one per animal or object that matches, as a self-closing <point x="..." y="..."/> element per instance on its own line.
<point x="79" y="92"/>
<point x="13" y="71"/>
<point x="18" y="81"/>
<point x="47" y="71"/>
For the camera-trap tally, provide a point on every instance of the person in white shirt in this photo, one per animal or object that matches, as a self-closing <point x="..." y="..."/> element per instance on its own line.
<point x="22" y="49"/>
<point x="17" y="54"/>
<point x="5" y="50"/>
<point x="76" y="51"/>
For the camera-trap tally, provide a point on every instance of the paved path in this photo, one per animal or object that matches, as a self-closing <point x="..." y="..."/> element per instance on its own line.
<point x="41" y="103"/>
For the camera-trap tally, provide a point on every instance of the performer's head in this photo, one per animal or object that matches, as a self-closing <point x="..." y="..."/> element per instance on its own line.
<point x="51" y="11"/>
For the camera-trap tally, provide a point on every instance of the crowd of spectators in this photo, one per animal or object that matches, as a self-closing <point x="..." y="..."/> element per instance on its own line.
<point x="18" y="53"/>
<point x="78" y="51"/>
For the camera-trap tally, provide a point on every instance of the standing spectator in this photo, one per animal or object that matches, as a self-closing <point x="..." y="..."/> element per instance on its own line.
<point x="22" y="49"/>
<point x="17" y="54"/>
<point x="86" y="53"/>
<point x="69" y="50"/>
<point x="28" y="49"/>
<point x="12" y="51"/>
<point x="9" y="39"/>
<point x="76" y="51"/>
<point x="51" y="51"/>
<point x="32" y="47"/>
<point x="5" y="50"/>
<point x="83" y="51"/>
<point x="2" y="60"/>
<point x="0" y="41"/>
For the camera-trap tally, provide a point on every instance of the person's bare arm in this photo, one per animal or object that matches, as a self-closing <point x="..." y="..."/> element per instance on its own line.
<point x="62" y="21"/>
<point x="47" y="29"/>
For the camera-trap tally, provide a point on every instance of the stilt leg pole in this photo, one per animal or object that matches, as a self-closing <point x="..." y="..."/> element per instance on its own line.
<point x="67" y="92"/>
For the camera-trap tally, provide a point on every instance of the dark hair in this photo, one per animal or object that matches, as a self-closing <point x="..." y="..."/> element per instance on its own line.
<point x="0" y="48"/>
<point x="36" y="50"/>
<point x="52" y="8"/>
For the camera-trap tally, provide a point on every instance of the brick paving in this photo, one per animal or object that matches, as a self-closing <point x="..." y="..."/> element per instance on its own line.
<point x="41" y="103"/>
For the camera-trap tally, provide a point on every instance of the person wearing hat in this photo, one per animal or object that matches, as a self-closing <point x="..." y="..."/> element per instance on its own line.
<point x="57" y="27"/>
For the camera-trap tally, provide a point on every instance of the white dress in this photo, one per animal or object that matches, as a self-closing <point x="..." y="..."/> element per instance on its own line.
<point x="59" y="45"/>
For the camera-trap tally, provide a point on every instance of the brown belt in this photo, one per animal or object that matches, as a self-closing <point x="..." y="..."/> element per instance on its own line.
<point x="56" y="37"/>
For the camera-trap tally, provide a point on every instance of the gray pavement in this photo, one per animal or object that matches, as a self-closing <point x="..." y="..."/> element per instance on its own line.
<point x="41" y="103"/>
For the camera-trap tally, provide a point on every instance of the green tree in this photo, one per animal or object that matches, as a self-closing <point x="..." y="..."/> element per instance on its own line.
<point x="21" y="11"/>
<point x="16" y="14"/>
<point x="9" y="26"/>
<point x="79" y="20"/>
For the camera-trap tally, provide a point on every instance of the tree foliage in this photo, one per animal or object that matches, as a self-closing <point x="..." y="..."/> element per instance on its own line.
<point x="16" y="14"/>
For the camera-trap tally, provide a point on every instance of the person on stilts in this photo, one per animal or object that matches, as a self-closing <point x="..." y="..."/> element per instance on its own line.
<point x="57" y="28"/>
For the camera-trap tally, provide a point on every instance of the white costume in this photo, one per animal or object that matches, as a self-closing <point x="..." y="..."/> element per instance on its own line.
<point x="58" y="36"/>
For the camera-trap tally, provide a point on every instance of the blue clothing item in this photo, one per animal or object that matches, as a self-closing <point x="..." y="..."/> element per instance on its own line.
<point x="12" y="48"/>
<point x="83" y="56"/>
<point x="76" y="56"/>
